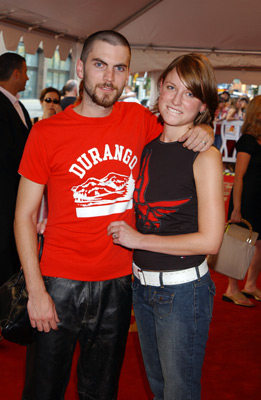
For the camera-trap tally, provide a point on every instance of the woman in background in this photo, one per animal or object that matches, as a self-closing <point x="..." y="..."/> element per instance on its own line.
<point x="50" y="102"/>
<point x="180" y="218"/>
<point x="245" y="200"/>
<point x="220" y="115"/>
<point x="234" y="111"/>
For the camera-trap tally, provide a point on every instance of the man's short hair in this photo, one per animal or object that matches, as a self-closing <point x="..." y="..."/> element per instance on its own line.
<point x="8" y="63"/>
<point x="111" y="37"/>
<point x="69" y="85"/>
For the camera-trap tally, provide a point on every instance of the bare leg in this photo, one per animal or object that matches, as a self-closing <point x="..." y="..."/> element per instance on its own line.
<point x="234" y="295"/>
<point x="232" y="287"/>
<point x="253" y="272"/>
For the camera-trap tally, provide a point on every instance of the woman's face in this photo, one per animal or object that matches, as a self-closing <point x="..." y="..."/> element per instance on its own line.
<point x="50" y="102"/>
<point x="177" y="105"/>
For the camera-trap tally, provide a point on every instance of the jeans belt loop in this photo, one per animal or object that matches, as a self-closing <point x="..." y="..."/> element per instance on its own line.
<point x="161" y="279"/>
<point x="143" y="276"/>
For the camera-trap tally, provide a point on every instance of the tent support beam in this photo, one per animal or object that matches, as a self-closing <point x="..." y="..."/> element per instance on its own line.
<point x="137" y="14"/>
<point x="195" y="49"/>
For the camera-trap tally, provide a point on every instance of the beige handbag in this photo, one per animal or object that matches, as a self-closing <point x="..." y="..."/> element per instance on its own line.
<point x="236" y="251"/>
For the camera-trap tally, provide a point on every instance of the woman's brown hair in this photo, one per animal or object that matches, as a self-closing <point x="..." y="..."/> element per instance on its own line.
<point x="49" y="90"/>
<point x="197" y="74"/>
<point x="252" y="123"/>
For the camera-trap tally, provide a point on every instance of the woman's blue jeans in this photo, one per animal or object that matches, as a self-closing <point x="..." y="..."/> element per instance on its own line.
<point x="173" y="323"/>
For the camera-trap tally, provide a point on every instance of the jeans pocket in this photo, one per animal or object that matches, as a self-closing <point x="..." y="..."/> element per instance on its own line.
<point x="212" y="288"/>
<point x="163" y="304"/>
<point x="135" y="291"/>
<point x="212" y="293"/>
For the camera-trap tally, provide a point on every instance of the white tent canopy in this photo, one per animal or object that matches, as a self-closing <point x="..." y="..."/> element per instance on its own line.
<point x="228" y="32"/>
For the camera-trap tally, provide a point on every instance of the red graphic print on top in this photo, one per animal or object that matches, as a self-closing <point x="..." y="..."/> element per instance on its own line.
<point x="149" y="213"/>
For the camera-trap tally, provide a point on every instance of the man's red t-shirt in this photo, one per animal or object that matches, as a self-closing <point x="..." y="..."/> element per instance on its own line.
<point x="89" y="166"/>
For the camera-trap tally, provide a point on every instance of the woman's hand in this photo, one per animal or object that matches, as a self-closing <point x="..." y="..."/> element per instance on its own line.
<point x="57" y="108"/>
<point x="236" y="216"/>
<point x="124" y="234"/>
<point x="198" y="138"/>
<point x="41" y="225"/>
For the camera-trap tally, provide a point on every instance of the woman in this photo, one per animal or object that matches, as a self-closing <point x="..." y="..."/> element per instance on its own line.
<point x="180" y="218"/>
<point x="220" y="115"/>
<point x="50" y="102"/>
<point x="245" y="200"/>
<point x="234" y="111"/>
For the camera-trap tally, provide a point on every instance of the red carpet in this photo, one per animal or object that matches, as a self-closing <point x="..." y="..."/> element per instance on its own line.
<point x="231" y="371"/>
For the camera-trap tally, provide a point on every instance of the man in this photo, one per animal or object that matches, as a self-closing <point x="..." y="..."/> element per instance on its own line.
<point x="89" y="158"/>
<point x="70" y="93"/>
<point x="15" y="125"/>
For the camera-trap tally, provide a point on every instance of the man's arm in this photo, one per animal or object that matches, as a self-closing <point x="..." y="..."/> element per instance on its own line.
<point x="199" y="138"/>
<point x="41" y="308"/>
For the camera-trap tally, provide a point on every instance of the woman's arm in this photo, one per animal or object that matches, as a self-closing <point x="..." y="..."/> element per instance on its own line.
<point x="211" y="216"/>
<point x="231" y="114"/>
<point x="242" y="163"/>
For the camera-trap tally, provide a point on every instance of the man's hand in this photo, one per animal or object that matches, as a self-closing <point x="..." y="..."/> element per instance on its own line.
<point x="199" y="138"/>
<point x="42" y="312"/>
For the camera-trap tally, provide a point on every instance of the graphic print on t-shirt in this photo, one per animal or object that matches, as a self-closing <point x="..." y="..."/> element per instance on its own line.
<point x="109" y="195"/>
<point x="149" y="214"/>
<point x="109" y="192"/>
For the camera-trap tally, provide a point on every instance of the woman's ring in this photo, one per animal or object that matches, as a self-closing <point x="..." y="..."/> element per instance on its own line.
<point x="203" y="141"/>
<point x="114" y="236"/>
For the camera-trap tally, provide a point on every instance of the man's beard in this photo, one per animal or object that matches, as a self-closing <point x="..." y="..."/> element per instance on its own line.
<point x="106" y="100"/>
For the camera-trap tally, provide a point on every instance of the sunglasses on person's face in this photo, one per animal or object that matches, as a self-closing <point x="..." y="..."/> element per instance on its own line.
<point x="55" y="101"/>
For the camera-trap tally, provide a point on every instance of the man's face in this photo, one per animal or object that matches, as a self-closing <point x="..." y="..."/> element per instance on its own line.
<point x="22" y="78"/>
<point x="105" y="73"/>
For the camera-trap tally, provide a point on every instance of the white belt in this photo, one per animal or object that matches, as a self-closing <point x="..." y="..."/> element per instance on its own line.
<point x="158" y="278"/>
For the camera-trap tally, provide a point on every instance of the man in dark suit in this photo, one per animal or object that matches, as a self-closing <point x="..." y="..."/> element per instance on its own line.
<point x="15" y="125"/>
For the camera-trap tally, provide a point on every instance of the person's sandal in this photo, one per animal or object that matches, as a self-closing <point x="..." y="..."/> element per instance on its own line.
<point x="238" y="299"/>
<point x="254" y="295"/>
